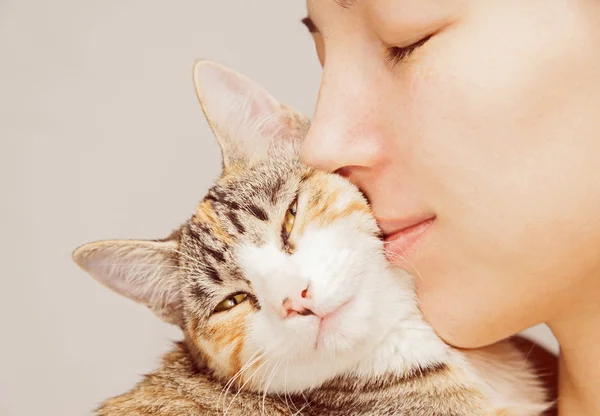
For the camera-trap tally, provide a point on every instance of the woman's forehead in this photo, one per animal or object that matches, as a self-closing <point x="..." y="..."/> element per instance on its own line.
<point x="378" y="12"/>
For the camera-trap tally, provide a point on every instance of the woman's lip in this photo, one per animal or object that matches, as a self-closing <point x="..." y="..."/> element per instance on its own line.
<point x="400" y="241"/>
<point x="390" y="227"/>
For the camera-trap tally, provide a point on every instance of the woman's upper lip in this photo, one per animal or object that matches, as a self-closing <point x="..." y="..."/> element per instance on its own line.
<point x="393" y="226"/>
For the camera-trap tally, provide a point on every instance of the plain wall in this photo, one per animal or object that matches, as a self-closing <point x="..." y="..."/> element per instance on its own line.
<point x="102" y="137"/>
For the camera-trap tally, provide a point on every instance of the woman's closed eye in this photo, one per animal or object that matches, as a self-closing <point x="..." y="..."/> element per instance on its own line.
<point x="396" y="54"/>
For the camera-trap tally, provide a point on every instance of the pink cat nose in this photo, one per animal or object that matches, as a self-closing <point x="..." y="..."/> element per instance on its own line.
<point x="300" y="305"/>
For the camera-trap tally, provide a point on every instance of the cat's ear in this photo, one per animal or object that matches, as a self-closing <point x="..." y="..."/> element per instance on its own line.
<point x="246" y="119"/>
<point x="144" y="271"/>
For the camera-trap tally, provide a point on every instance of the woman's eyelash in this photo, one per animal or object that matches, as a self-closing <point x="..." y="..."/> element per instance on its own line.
<point x="396" y="55"/>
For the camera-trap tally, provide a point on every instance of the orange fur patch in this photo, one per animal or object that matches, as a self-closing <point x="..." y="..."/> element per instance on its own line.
<point x="320" y="209"/>
<point x="205" y="213"/>
<point x="353" y="207"/>
<point x="228" y="331"/>
<point x="236" y="356"/>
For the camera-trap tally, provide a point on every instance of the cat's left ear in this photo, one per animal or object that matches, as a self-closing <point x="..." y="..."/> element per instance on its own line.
<point x="246" y="119"/>
<point x="143" y="271"/>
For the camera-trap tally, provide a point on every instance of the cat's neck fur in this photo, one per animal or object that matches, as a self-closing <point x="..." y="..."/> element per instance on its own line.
<point x="413" y="363"/>
<point x="411" y="353"/>
<point x="410" y="346"/>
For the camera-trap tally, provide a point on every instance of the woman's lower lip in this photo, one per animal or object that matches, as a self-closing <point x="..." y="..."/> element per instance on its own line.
<point x="401" y="242"/>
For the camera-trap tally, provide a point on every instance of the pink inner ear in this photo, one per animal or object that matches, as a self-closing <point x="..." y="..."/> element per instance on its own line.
<point x="220" y="88"/>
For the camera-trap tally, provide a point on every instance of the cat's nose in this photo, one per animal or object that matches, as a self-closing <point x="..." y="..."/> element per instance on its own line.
<point x="300" y="304"/>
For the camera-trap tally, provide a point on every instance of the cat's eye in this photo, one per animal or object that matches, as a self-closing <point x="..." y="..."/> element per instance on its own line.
<point x="289" y="220"/>
<point x="231" y="302"/>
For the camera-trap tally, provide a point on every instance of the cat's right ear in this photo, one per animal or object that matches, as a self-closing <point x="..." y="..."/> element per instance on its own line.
<point x="246" y="119"/>
<point x="143" y="271"/>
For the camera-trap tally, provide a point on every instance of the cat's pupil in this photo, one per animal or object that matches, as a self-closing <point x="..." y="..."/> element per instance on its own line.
<point x="239" y="298"/>
<point x="289" y="222"/>
<point x="290" y="218"/>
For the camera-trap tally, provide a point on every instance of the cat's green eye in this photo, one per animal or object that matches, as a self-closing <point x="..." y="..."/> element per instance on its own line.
<point x="290" y="219"/>
<point x="231" y="302"/>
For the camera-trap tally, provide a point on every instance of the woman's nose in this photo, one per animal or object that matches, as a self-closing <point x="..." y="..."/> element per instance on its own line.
<point x="344" y="131"/>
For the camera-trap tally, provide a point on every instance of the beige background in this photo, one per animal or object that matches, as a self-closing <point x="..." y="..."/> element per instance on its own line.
<point x="102" y="137"/>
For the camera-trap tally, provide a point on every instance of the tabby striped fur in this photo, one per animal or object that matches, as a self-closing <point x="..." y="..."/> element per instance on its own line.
<point x="327" y="325"/>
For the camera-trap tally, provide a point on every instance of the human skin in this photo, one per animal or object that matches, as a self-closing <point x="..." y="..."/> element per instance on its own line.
<point x="490" y="131"/>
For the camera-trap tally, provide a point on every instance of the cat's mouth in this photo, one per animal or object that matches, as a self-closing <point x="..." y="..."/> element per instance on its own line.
<point x="327" y="323"/>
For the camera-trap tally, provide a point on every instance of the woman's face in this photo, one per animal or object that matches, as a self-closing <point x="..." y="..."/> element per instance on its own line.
<point x="485" y="138"/>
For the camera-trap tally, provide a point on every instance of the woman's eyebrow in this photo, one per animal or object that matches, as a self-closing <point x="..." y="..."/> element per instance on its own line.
<point x="345" y="3"/>
<point x="310" y="25"/>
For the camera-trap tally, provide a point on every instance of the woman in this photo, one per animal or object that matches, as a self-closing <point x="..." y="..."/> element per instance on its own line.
<point x="473" y="128"/>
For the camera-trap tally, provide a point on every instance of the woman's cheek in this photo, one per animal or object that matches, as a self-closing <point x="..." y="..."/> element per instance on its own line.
<point x="470" y="165"/>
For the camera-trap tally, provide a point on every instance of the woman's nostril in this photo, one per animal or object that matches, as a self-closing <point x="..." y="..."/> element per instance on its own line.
<point x="343" y="171"/>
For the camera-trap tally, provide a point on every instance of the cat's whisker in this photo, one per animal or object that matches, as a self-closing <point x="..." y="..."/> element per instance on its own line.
<point x="396" y="258"/>
<point x="526" y="359"/>
<point x="285" y="386"/>
<point x="249" y="363"/>
<point x="271" y="377"/>
<point x="299" y="412"/>
<point x="306" y="403"/>
<point x="406" y="260"/>
<point x="227" y="385"/>
<point x="253" y="359"/>
<point x="244" y="385"/>
<point x="260" y="383"/>
<point x="411" y="266"/>
<point x="286" y="394"/>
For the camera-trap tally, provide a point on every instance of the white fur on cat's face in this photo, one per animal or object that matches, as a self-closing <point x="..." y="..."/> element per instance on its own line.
<point x="357" y="299"/>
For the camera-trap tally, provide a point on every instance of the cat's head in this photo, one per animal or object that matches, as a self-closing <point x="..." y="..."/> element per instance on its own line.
<point x="279" y="278"/>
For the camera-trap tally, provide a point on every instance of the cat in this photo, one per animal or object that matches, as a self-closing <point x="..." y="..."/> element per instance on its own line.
<point x="287" y="302"/>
